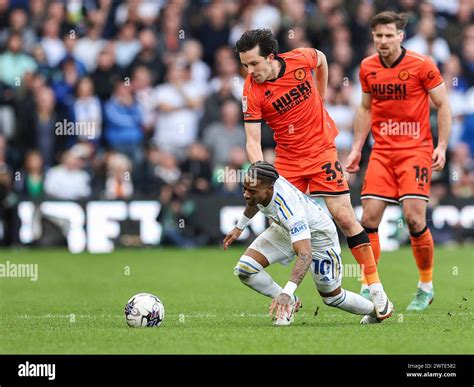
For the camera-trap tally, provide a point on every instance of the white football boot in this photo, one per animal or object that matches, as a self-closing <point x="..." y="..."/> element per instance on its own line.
<point x="383" y="306"/>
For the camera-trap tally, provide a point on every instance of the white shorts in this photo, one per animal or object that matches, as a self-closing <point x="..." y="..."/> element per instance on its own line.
<point x="275" y="245"/>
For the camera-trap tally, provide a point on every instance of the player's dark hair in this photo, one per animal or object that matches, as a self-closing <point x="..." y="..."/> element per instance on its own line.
<point x="389" y="17"/>
<point x="262" y="37"/>
<point x="263" y="171"/>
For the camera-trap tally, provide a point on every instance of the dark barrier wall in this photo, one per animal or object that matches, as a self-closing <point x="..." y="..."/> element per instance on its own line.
<point x="100" y="226"/>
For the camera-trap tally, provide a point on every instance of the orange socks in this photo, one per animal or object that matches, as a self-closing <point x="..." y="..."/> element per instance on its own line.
<point x="362" y="252"/>
<point x="423" y="249"/>
<point x="373" y="234"/>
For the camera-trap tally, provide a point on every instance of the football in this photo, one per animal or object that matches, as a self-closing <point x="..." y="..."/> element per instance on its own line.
<point x="144" y="310"/>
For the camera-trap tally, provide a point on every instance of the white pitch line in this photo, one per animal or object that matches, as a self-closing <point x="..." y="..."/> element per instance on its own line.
<point x="209" y="315"/>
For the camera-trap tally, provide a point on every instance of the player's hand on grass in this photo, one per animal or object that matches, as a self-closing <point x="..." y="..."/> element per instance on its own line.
<point x="352" y="162"/>
<point x="231" y="236"/>
<point x="439" y="159"/>
<point x="281" y="306"/>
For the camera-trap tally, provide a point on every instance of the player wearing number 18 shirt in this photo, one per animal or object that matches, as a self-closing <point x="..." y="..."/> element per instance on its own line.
<point x="282" y="90"/>
<point x="397" y="85"/>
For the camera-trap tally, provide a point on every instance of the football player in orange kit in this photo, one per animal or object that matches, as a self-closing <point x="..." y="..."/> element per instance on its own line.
<point x="397" y="85"/>
<point x="281" y="89"/>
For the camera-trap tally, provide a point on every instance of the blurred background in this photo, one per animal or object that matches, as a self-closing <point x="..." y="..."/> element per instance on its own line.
<point x="129" y="112"/>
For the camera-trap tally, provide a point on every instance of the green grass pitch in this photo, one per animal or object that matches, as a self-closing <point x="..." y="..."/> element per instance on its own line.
<point x="77" y="303"/>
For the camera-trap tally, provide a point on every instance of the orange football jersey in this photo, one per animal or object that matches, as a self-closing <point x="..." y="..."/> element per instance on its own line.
<point x="291" y="106"/>
<point x="400" y="99"/>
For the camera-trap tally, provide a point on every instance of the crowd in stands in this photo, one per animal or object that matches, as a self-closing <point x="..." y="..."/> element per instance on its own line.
<point x="142" y="98"/>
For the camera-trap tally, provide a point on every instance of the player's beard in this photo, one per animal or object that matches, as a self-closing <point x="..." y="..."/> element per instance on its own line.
<point x="385" y="52"/>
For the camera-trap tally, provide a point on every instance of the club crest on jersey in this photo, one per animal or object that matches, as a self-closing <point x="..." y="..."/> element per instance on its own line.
<point x="403" y="75"/>
<point x="300" y="74"/>
<point x="244" y="104"/>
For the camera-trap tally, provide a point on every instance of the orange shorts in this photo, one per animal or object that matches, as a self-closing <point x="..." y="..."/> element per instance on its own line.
<point x="319" y="176"/>
<point x="393" y="176"/>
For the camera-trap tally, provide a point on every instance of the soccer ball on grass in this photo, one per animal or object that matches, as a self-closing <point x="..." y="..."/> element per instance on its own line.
<point x="144" y="310"/>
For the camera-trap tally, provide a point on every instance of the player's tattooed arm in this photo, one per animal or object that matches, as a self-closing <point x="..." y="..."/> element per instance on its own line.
<point x="303" y="262"/>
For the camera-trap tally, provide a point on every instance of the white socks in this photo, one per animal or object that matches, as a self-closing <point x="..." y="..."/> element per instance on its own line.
<point x="251" y="273"/>
<point x="375" y="287"/>
<point x="351" y="302"/>
<point x="426" y="286"/>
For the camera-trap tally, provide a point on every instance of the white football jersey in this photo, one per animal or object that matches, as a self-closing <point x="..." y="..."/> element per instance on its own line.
<point x="299" y="215"/>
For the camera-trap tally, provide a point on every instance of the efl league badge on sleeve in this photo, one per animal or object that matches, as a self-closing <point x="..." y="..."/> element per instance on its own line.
<point x="244" y="103"/>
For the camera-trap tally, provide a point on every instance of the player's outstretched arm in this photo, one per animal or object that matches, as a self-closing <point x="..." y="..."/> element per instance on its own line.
<point x="244" y="220"/>
<point x="322" y="74"/>
<point x="253" y="134"/>
<point x="282" y="303"/>
<point x="440" y="99"/>
<point x="361" y="130"/>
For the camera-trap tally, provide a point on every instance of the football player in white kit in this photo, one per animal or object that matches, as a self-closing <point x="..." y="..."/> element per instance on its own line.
<point x="300" y="228"/>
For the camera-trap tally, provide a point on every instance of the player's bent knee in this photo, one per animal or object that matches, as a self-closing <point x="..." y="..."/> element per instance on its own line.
<point x="335" y="301"/>
<point x="415" y="223"/>
<point x="369" y="221"/>
<point x="246" y="267"/>
<point x="346" y="220"/>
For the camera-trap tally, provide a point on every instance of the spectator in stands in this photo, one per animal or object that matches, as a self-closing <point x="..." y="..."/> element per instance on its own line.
<point x="179" y="102"/>
<point x="43" y="66"/>
<point x="227" y="133"/>
<point x="148" y="57"/>
<point x="171" y="36"/>
<point x="197" y="168"/>
<point x="87" y="109"/>
<point x="14" y="62"/>
<point x="227" y="69"/>
<point x="426" y="42"/>
<point x="145" y="96"/>
<point x="36" y="14"/>
<point x="167" y="169"/>
<point x="199" y="70"/>
<point x="6" y="206"/>
<point x="228" y="178"/>
<point x="265" y="15"/>
<point x="106" y="73"/>
<point x="213" y="103"/>
<point x="31" y="181"/>
<point x="7" y="113"/>
<point x="160" y="168"/>
<point x="56" y="11"/>
<point x="123" y="120"/>
<point x="68" y="180"/>
<point x="64" y="87"/>
<point x="461" y="167"/>
<point x="39" y="127"/>
<point x="468" y="58"/>
<point x="51" y="42"/>
<point x="127" y="45"/>
<point x="139" y="11"/>
<point x="214" y="32"/>
<point x="119" y="183"/>
<point x="360" y="32"/>
<point x="70" y="42"/>
<point x="18" y="24"/>
<point x="88" y="48"/>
